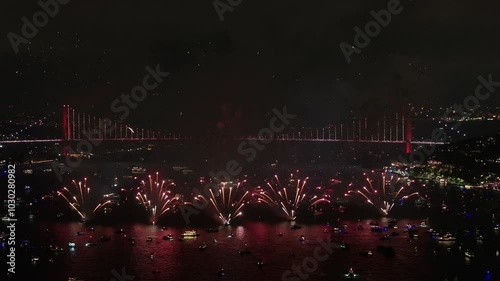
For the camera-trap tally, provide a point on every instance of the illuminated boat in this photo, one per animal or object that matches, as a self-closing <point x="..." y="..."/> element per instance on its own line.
<point x="221" y="272"/>
<point x="447" y="237"/>
<point x="71" y="244"/>
<point x="385" y="237"/>
<point x="350" y="274"/>
<point x="366" y="253"/>
<point x="168" y="237"/>
<point x="469" y="254"/>
<point x="190" y="233"/>
<point x="56" y="249"/>
<point x="138" y="170"/>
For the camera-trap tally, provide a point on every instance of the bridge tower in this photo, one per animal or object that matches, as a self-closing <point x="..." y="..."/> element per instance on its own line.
<point x="66" y="128"/>
<point x="408" y="129"/>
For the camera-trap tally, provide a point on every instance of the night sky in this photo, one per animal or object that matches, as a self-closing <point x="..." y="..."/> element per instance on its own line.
<point x="264" y="54"/>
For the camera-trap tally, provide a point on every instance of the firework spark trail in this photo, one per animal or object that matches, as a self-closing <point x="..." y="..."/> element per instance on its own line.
<point x="385" y="201"/>
<point x="228" y="202"/>
<point x="81" y="199"/>
<point x="155" y="197"/>
<point x="288" y="197"/>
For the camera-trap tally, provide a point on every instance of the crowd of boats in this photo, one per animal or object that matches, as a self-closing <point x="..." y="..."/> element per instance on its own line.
<point x="387" y="232"/>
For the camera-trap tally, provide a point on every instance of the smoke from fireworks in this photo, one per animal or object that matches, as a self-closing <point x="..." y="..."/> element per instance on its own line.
<point x="156" y="198"/>
<point x="383" y="193"/>
<point x="227" y="199"/>
<point x="289" y="195"/>
<point x="82" y="199"/>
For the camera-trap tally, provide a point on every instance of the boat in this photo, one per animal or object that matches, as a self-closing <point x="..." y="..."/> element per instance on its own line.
<point x="366" y="253"/>
<point x="260" y="263"/>
<point x="344" y="246"/>
<point x="79" y="233"/>
<point x="168" y="237"/>
<point x="385" y="237"/>
<point x="202" y="247"/>
<point x="138" y="170"/>
<point x="149" y="239"/>
<point x="71" y="244"/>
<point x="296" y="226"/>
<point x="221" y="272"/>
<point x="423" y="224"/>
<point x="302" y="238"/>
<point x="350" y="274"/>
<point x="90" y="244"/>
<point x="56" y="249"/>
<point x="447" y="237"/>
<point x="190" y="233"/>
<point x="469" y="254"/>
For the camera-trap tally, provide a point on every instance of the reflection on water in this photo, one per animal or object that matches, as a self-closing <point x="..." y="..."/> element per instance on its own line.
<point x="421" y="258"/>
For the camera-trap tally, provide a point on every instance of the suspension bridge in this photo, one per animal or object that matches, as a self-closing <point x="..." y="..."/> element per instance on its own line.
<point x="395" y="128"/>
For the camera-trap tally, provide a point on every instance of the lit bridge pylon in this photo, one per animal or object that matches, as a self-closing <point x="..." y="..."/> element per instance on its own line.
<point x="81" y="126"/>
